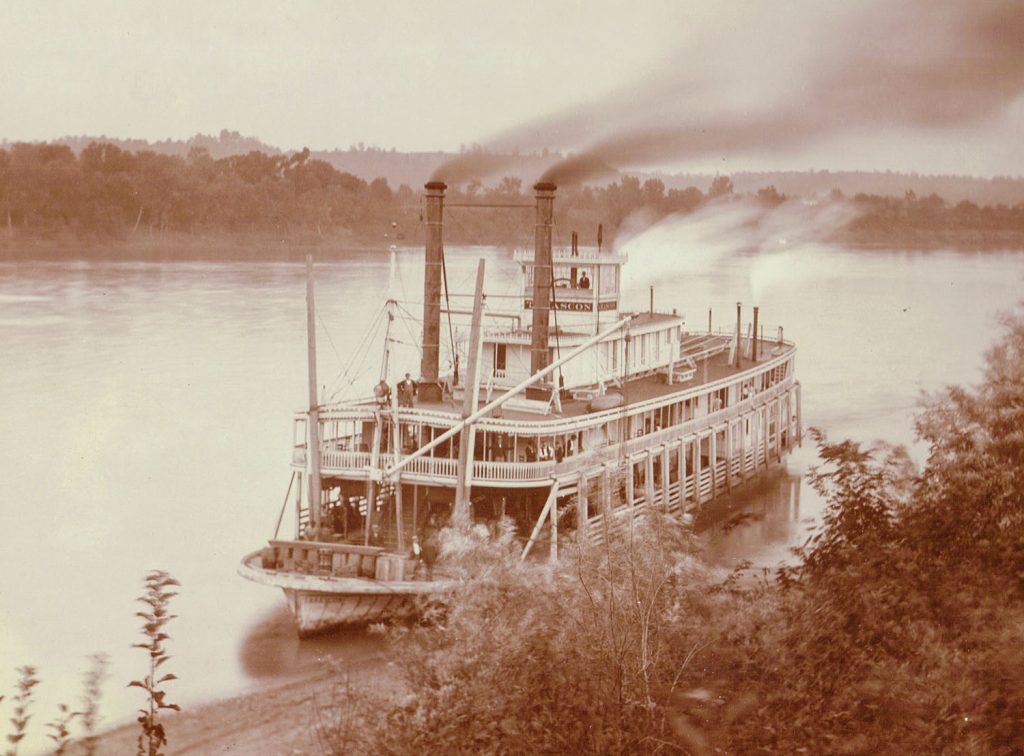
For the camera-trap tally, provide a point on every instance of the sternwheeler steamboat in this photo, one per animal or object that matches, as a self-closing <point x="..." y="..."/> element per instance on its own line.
<point x="573" y="416"/>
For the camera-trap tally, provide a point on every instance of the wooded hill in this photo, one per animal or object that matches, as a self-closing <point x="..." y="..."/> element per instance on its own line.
<point x="106" y="193"/>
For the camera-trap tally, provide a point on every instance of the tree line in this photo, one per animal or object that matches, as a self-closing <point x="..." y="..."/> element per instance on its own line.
<point x="108" y="193"/>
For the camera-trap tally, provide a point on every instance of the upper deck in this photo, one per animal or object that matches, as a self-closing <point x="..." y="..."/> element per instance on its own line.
<point x="705" y="368"/>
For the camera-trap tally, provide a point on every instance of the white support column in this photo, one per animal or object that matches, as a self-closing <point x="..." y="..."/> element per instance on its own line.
<point x="778" y="428"/>
<point x="582" y="506"/>
<point x="764" y="410"/>
<point x="696" y="470"/>
<point x="553" y="552"/>
<point x="799" y="418"/>
<point x="664" y="479"/>
<point x="789" y="421"/>
<point x="713" y="460"/>
<point x="298" y="505"/>
<point x="744" y="422"/>
<point x="728" y="455"/>
<point x="606" y="488"/>
<point x="681" y="452"/>
<point x="630" y="493"/>
<point x="649" y="478"/>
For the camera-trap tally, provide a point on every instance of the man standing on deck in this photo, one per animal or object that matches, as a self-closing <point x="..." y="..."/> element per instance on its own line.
<point x="407" y="391"/>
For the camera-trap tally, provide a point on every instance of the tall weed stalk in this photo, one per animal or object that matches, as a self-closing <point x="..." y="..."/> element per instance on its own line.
<point x="93" y="680"/>
<point x="27" y="680"/>
<point x="157" y="597"/>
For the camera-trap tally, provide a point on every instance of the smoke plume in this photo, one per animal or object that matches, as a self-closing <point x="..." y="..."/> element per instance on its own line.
<point x="877" y="67"/>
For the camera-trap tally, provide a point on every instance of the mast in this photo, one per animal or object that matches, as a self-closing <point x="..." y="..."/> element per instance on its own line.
<point x="313" y="422"/>
<point x="464" y="471"/>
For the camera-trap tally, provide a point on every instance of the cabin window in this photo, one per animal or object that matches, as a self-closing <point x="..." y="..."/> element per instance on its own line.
<point x="500" y="357"/>
<point x="614" y="346"/>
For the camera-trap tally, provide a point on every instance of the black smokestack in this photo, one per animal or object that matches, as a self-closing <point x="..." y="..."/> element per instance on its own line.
<point x="430" y="389"/>
<point x="542" y="275"/>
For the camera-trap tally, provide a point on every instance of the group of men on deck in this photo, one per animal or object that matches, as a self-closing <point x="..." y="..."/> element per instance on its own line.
<point x="407" y="390"/>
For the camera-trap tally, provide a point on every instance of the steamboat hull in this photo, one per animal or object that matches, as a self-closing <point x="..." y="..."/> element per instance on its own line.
<point x="322" y="603"/>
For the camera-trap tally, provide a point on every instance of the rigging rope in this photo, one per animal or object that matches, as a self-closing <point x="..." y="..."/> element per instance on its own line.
<point x="558" y="343"/>
<point x="363" y="348"/>
<point x="448" y="308"/>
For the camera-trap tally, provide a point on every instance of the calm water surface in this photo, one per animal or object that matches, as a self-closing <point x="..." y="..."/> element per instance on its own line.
<point x="146" y="413"/>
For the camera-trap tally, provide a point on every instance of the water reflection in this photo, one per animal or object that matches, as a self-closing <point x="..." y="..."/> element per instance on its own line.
<point x="761" y="522"/>
<point x="270" y="648"/>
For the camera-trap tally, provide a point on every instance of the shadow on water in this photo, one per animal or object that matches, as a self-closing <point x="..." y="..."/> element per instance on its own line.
<point x="760" y="523"/>
<point x="270" y="647"/>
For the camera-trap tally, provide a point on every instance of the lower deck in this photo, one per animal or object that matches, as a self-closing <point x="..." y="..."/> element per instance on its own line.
<point x="676" y="468"/>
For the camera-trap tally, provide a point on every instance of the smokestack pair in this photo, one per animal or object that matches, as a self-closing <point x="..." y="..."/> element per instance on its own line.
<point x="430" y="388"/>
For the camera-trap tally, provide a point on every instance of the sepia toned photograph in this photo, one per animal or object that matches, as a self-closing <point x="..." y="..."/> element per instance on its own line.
<point x="508" y="377"/>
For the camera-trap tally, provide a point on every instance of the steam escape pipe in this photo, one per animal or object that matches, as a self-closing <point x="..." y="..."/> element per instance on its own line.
<point x="430" y="387"/>
<point x="753" y="340"/>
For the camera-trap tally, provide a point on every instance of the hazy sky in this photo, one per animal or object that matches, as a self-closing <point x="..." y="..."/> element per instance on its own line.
<point x="435" y="75"/>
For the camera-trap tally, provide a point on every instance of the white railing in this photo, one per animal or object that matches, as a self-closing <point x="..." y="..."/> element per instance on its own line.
<point x="332" y="459"/>
<point x="444" y="469"/>
<point x="497" y="472"/>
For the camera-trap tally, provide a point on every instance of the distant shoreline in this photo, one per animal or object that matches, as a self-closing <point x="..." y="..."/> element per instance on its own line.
<point x="231" y="247"/>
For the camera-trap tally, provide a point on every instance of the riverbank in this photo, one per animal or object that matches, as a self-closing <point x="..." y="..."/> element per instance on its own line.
<point x="278" y="719"/>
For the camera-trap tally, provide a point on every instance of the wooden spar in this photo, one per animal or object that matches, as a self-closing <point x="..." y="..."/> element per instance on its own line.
<point x="396" y="434"/>
<point x="284" y="505"/>
<point x="518" y="388"/>
<point x="552" y="499"/>
<point x="313" y="489"/>
<point x="464" y="471"/>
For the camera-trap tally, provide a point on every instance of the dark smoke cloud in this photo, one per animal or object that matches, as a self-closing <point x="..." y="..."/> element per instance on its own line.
<point x="924" y="64"/>
<point x="956" y="66"/>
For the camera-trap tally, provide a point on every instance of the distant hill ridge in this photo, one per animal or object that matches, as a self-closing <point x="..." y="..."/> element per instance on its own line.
<point x="414" y="169"/>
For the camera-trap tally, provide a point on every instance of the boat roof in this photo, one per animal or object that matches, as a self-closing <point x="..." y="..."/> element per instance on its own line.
<point x="710" y="352"/>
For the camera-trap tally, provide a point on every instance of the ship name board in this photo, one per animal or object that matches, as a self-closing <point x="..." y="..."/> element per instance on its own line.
<point x="574" y="306"/>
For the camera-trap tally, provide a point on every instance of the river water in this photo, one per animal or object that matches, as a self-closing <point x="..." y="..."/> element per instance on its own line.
<point x="146" y="412"/>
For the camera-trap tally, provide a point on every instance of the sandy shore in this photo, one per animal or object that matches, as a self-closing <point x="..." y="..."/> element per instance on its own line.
<point x="279" y="719"/>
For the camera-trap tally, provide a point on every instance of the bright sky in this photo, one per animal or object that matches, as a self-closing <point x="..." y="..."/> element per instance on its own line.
<point x="435" y="75"/>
